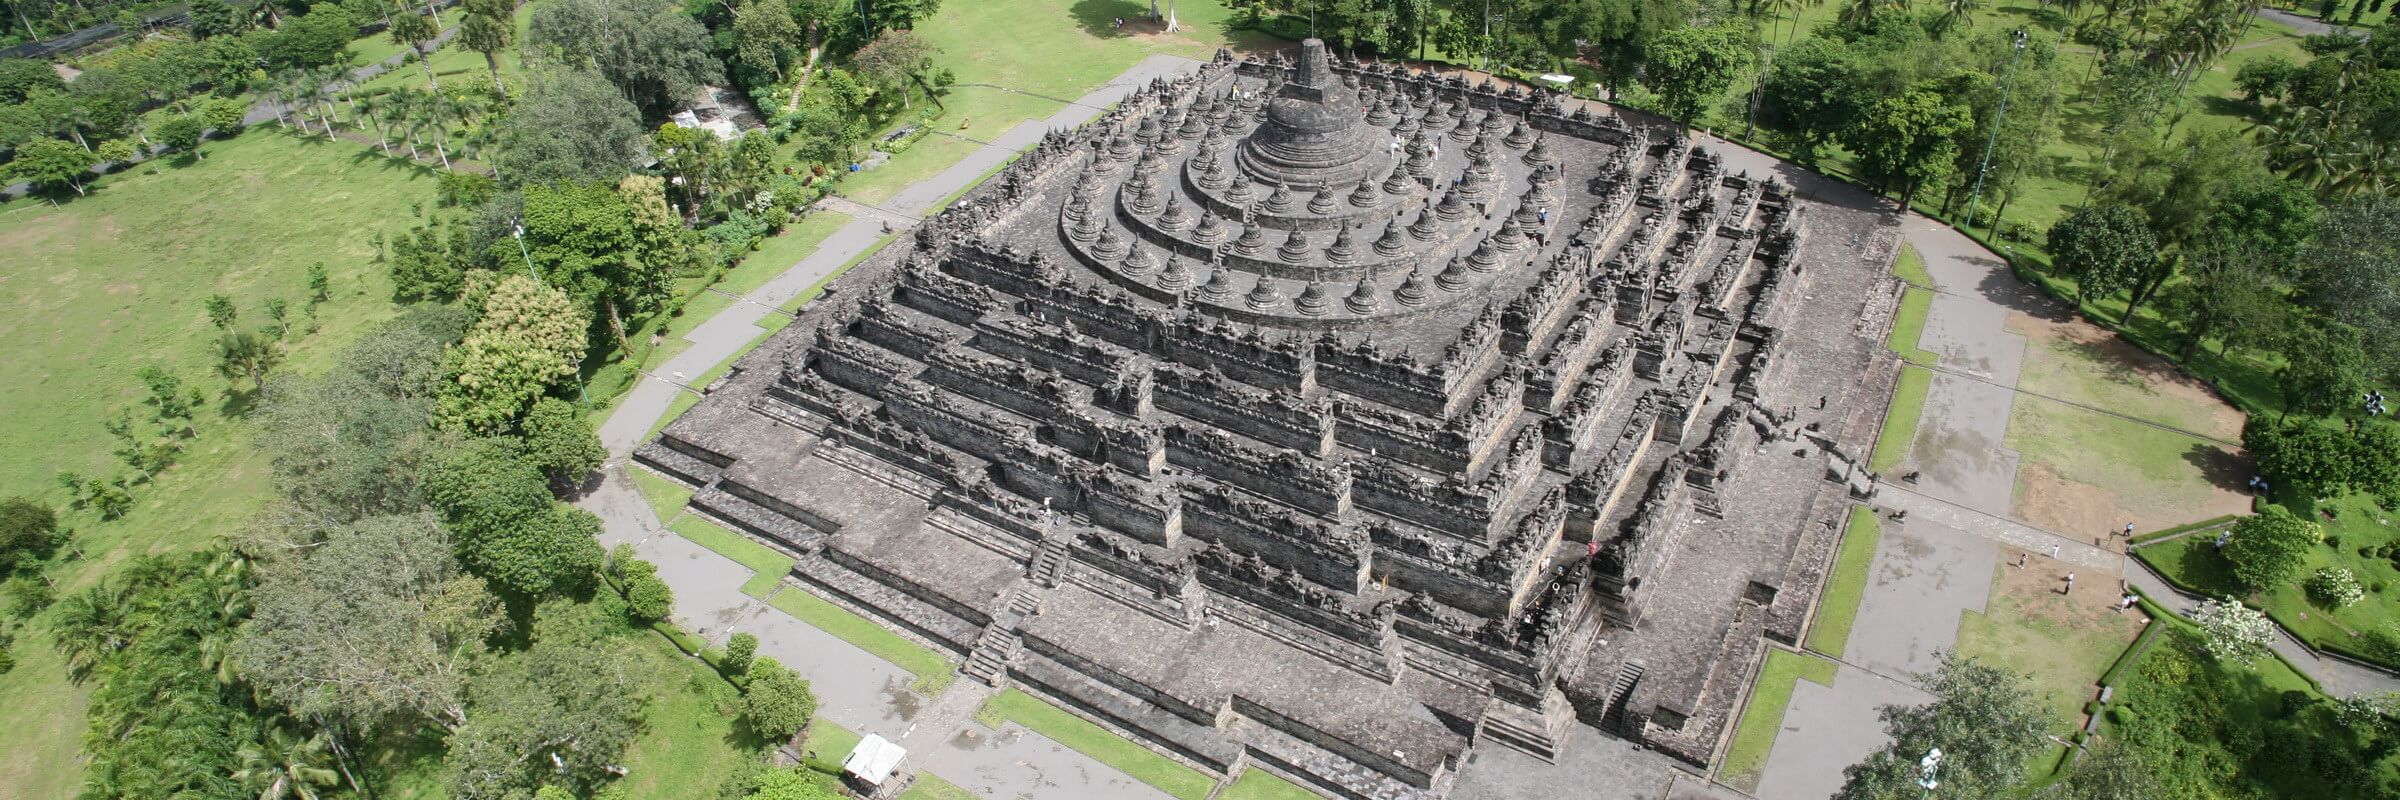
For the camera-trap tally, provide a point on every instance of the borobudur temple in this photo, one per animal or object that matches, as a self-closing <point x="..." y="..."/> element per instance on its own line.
<point x="1332" y="416"/>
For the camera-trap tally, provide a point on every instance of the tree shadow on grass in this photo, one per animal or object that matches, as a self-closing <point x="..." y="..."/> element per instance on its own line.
<point x="2220" y="466"/>
<point x="1099" y="17"/>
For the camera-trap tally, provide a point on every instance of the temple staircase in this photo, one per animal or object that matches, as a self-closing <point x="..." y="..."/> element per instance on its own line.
<point x="1612" y="718"/>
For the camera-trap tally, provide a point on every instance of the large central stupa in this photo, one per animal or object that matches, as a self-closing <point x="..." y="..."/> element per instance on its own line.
<point x="1315" y="135"/>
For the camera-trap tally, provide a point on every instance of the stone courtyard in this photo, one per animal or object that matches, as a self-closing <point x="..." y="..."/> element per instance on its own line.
<point x="1336" y="418"/>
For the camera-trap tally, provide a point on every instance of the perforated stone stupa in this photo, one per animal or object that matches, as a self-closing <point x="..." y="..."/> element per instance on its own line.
<point x="1331" y="417"/>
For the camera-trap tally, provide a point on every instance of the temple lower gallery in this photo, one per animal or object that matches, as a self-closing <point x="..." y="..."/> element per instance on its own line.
<point x="1333" y="417"/>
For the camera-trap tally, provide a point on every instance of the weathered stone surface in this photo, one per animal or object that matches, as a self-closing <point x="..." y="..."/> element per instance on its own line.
<point x="1347" y="473"/>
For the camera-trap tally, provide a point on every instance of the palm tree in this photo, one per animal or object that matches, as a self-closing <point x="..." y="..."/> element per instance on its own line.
<point x="283" y="765"/>
<point x="375" y="108"/>
<point x="440" y="111"/>
<point x="1860" y="12"/>
<point x="90" y="627"/>
<point x="400" y="112"/>
<point x="1792" y="9"/>
<point x="1956" y="13"/>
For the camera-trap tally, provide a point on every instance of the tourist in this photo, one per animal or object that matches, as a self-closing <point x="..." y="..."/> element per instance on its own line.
<point x="2127" y="601"/>
<point x="2129" y="531"/>
<point x="2070" y="587"/>
<point x="2054" y="552"/>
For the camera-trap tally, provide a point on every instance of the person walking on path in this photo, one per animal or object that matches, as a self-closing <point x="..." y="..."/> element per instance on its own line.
<point x="2070" y="587"/>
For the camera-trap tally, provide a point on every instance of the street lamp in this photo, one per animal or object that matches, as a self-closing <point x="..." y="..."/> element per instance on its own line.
<point x="1925" y="770"/>
<point x="529" y="270"/>
<point x="1994" y="138"/>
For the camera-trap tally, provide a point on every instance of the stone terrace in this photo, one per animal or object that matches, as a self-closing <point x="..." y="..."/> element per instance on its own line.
<point x="1331" y="416"/>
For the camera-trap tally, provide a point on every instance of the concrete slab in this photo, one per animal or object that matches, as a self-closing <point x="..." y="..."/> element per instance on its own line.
<point x="1960" y="451"/>
<point x="1598" y="766"/>
<point x="1828" y="728"/>
<point x="1924" y="574"/>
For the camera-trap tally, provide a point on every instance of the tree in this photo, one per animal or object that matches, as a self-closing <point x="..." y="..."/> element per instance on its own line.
<point x="2269" y="547"/>
<point x="1691" y="66"/>
<point x="654" y="54"/>
<point x="1983" y="718"/>
<point x="248" y="354"/>
<point x="2112" y="771"/>
<point x="48" y="163"/>
<point x="795" y="784"/>
<point x="119" y="152"/>
<point x="776" y="702"/>
<point x="529" y="338"/>
<point x="884" y="15"/>
<point x="2348" y="275"/>
<point x="1807" y="95"/>
<point x="22" y="78"/>
<point x="2308" y="459"/>
<point x="2264" y="77"/>
<point x="582" y="238"/>
<point x="217" y="19"/>
<point x="28" y="533"/>
<point x="282" y="764"/>
<point x="316" y="39"/>
<point x="570" y="125"/>
<point x="561" y="712"/>
<point x="489" y="28"/>
<point x="2326" y="370"/>
<point x="2104" y="248"/>
<point x="2233" y="632"/>
<point x="1908" y="140"/>
<point x="221" y="312"/>
<point x="560" y="440"/>
<point x="739" y="651"/>
<point x="647" y="598"/>
<point x="509" y="529"/>
<point x="764" y="35"/>
<point x="181" y="133"/>
<point x="375" y="627"/>
<point x="894" y="59"/>
<point x="413" y="30"/>
<point x="2375" y="459"/>
<point x="2270" y="216"/>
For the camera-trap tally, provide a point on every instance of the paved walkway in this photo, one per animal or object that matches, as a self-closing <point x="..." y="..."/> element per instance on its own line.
<point x="857" y="689"/>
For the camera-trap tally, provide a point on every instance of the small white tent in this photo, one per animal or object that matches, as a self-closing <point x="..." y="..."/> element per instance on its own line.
<point x="874" y="760"/>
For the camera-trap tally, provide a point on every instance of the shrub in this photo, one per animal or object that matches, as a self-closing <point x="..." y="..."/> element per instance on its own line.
<point x="2336" y="588"/>
<point x="2119" y="714"/>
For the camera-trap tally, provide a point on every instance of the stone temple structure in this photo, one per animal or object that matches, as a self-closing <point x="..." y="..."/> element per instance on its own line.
<point x="1330" y="417"/>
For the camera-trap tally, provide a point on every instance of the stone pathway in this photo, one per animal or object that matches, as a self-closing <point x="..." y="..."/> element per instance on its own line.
<point x="857" y="689"/>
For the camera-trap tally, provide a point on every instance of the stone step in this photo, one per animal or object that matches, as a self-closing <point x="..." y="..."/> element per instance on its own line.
<point x="755" y="519"/>
<point x="676" y="465"/>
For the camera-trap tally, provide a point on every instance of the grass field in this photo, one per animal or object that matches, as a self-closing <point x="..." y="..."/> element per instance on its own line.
<point x="2194" y="563"/>
<point x="1837" y="610"/>
<point x="1910" y="267"/>
<point x="826" y="741"/>
<point x="1259" y="784"/>
<point x="110" y="283"/>
<point x="2083" y="472"/>
<point x="931" y="787"/>
<point x="1762" y="717"/>
<point x="767" y="565"/>
<point x="2062" y="643"/>
<point x="1167" y="774"/>
<point x="781" y="251"/>
<point x="934" y="670"/>
<point x="691" y="740"/>
<point x="1900" y="420"/>
<point x="1908" y="326"/>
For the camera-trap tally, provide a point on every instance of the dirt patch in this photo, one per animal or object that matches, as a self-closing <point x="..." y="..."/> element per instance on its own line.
<point x="2047" y="500"/>
<point x="2034" y="593"/>
<point x="2130" y="368"/>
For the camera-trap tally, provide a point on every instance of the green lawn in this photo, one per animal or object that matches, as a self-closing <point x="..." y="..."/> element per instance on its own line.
<point x="1762" y="717"/>
<point x="817" y="289"/>
<point x="2112" y="374"/>
<point x="1910" y="267"/>
<point x="2155" y="476"/>
<point x="1900" y="420"/>
<point x="1837" y="610"/>
<point x="2061" y="644"/>
<point x="934" y="670"/>
<point x="1908" y="326"/>
<point x="666" y="497"/>
<point x="1167" y="774"/>
<point x="931" y="787"/>
<point x="920" y="161"/>
<point x="768" y="565"/>
<point x="826" y="741"/>
<point x="1259" y="784"/>
<point x="691" y="740"/>
<point x="106" y="284"/>
<point x="2194" y="562"/>
<point x="781" y="251"/>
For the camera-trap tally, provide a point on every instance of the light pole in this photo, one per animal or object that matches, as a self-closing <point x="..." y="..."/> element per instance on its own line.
<point x="1985" y="163"/>
<point x="529" y="270"/>
<point x="1750" y="121"/>
<point x="1925" y="770"/>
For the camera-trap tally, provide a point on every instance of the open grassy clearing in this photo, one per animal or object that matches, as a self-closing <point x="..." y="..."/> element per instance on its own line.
<point x="2063" y="643"/>
<point x="110" y="283"/>
<point x="2085" y="473"/>
<point x="692" y="739"/>
<point x="1909" y="266"/>
<point x="2194" y="563"/>
<point x="782" y="251"/>
<point x="1837" y="609"/>
<point x="1900" y="419"/>
<point x="1259" y="784"/>
<point x="826" y="741"/>
<point x="934" y="670"/>
<point x="1080" y="735"/>
<point x="1762" y="717"/>
<point x="2082" y="363"/>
